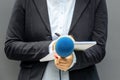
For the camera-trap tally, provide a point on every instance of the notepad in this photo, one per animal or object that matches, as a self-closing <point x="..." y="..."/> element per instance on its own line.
<point x="83" y="45"/>
<point x="77" y="46"/>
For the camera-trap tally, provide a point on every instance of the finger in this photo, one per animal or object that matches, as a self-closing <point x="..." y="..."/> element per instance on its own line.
<point x="53" y="45"/>
<point x="63" y="62"/>
<point x="71" y="36"/>
<point x="62" y="68"/>
<point x="70" y="57"/>
<point x="56" y="61"/>
<point x="56" y="56"/>
<point x="62" y="65"/>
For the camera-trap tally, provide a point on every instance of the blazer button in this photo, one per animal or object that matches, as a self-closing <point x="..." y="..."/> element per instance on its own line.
<point x="49" y="38"/>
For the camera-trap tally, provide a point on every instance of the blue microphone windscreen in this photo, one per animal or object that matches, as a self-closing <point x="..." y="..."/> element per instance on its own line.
<point x="64" y="46"/>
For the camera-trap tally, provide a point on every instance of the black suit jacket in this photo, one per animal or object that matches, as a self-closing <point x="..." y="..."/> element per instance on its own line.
<point x="29" y="35"/>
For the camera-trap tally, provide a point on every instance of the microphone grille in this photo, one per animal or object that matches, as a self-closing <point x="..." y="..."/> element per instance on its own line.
<point x="64" y="46"/>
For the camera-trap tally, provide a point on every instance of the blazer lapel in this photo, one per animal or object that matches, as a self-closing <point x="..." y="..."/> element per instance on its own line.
<point x="41" y="6"/>
<point x="79" y="8"/>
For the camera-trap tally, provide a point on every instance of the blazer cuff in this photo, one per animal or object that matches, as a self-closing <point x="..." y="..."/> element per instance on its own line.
<point x="74" y="61"/>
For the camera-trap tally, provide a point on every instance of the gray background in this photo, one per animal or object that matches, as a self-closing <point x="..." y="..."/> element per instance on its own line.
<point x="109" y="68"/>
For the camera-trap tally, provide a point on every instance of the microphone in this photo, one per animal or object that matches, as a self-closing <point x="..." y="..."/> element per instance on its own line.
<point x="64" y="46"/>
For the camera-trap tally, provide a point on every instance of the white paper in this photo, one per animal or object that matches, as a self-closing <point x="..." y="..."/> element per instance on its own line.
<point x="83" y="45"/>
<point x="49" y="57"/>
<point x="77" y="46"/>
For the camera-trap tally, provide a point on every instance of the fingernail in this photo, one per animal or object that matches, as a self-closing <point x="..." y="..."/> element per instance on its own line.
<point x="56" y="56"/>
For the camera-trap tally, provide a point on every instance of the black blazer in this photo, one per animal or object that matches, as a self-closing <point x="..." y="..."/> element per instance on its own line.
<point x="29" y="35"/>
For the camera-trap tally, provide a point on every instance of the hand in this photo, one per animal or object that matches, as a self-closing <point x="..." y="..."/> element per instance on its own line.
<point x="63" y="63"/>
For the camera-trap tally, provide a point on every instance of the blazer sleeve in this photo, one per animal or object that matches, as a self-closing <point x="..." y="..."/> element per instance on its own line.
<point x="15" y="46"/>
<point x="96" y="53"/>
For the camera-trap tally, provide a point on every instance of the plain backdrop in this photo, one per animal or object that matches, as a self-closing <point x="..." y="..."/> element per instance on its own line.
<point x="109" y="68"/>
